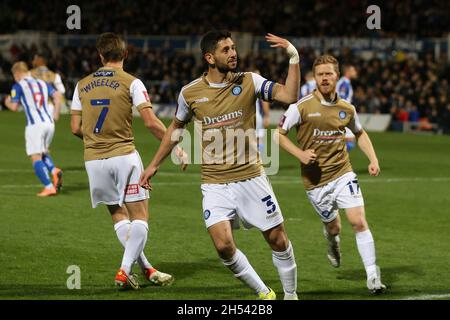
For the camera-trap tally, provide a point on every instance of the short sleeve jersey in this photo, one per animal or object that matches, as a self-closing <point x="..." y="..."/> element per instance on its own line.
<point x="321" y="126"/>
<point x="223" y="110"/>
<point x="104" y="99"/>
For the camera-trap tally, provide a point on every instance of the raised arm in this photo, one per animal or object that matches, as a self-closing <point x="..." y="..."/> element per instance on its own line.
<point x="287" y="93"/>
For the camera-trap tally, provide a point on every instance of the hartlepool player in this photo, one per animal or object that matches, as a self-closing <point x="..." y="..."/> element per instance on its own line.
<point x="33" y="94"/>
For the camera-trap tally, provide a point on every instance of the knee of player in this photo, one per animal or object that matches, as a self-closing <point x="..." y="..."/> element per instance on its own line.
<point x="359" y="225"/>
<point x="225" y="249"/>
<point x="334" y="229"/>
<point x="280" y="243"/>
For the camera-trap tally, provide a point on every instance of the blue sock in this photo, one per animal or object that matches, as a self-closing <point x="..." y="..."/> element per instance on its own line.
<point x="48" y="162"/>
<point x="41" y="172"/>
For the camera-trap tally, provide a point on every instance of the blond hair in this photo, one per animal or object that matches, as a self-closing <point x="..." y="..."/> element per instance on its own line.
<point x="325" y="59"/>
<point x="19" y="66"/>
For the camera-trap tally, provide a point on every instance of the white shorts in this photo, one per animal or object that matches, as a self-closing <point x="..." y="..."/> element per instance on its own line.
<point x="38" y="138"/>
<point x="116" y="180"/>
<point x="252" y="200"/>
<point x="342" y="193"/>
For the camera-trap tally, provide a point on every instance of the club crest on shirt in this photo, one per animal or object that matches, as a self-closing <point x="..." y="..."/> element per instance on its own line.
<point x="236" y="90"/>
<point x="342" y="114"/>
<point x="206" y="214"/>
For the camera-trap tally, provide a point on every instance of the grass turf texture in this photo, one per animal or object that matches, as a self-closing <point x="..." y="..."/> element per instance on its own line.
<point x="407" y="209"/>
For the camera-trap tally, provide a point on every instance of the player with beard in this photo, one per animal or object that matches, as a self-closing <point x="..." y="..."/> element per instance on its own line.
<point x="320" y="119"/>
<point x="224" y="101"/>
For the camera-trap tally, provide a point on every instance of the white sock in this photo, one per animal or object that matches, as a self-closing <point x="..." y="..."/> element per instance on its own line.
<point x="122" y="228"/>
<point x="366" y="248"/>
<point x="284" y="261"/>
<point x="134" y="244"/>
<point x="243" y="270"/>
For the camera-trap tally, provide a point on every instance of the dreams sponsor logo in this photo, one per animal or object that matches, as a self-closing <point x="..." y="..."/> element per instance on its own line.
<point x="328" y="136"/>
<point x="222" y="119"/>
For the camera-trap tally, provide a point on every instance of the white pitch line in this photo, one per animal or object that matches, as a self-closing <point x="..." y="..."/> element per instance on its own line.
<point x="274" y="181"/>
<point x="429" y="297"/>
<point x="277" y="179"/>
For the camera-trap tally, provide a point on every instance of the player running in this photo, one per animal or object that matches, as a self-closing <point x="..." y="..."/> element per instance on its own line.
<point x="33" y="94"/>
<point x="320" y="120"/>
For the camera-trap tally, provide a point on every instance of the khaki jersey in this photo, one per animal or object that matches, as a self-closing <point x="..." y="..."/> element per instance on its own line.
<point x="43" y="73"/>
<point x="49" y="76"/>
<point x="321" y="126"/>
<point x="222" y="110"/>
<point x="105" y="99"/>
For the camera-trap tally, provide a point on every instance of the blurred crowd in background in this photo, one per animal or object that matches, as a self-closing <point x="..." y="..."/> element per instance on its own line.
<point x="410" y="88"/>
<point x="419" y="18"/>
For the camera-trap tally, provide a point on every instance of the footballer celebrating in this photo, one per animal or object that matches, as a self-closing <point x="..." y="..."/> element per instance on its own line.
<point x="223" y="101"/>
<point x="320" y="119"/>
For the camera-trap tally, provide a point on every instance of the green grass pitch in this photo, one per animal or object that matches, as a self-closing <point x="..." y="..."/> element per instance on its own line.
<point x="408" y="209"/>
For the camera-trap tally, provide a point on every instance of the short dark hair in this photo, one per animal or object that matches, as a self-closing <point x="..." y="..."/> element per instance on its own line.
<point x="111" y="47"/>
<point x="209" y="41"/>
<point x="42" y="55"/>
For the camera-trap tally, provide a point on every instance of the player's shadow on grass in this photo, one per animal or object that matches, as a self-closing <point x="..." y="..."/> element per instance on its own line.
<point x="191" y="268"/>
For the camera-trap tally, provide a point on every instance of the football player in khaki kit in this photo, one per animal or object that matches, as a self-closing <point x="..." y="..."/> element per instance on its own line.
<point x="320" y="119"/>
<point x="102" y="116"/>
<point x="41" y="71"/>
<point x="225" y="100"/>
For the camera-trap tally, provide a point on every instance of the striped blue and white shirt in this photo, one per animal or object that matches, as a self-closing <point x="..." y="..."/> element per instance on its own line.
<point x="344" y="89"/>
<point x="307" y="88"/>
<point x="33" y="95"/>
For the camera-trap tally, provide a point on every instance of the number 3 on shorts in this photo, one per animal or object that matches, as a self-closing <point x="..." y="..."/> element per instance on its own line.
<point x="269" y="203"/>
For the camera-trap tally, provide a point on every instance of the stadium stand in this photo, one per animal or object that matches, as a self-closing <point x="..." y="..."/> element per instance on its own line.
<point x="412" y="85"/>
